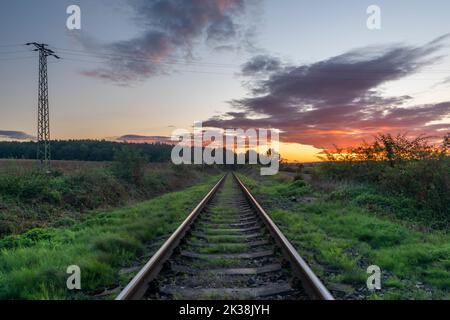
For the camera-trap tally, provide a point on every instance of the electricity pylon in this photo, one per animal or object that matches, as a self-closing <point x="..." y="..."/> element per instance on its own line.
<point x="43" y="131"/>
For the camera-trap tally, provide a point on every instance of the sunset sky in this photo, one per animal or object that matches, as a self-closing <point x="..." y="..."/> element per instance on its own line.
<point x="311" y="69"/>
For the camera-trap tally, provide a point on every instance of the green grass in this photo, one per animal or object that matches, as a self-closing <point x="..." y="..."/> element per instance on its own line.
<point x="31" y="197"/>
<point x="33" y="265"/>
<point x="340" y="240"/>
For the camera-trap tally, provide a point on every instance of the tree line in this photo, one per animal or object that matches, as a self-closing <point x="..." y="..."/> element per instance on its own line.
<point x="102" y="150"/>
<point x="85" y="150"/>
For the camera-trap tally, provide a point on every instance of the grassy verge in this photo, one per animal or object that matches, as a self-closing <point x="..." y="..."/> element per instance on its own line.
<point x="33" y="265"/>
<point x="341" y="239"/>
<point x="32" y="198"/>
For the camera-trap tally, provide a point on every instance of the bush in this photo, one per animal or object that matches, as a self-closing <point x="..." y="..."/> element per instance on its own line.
<point x="297" y="189"/>
<point x="31" y="187"/>
<point x="28" y="239"/>
<point x="154" y="182"/>
<point x="129" y="165"/>
<point x="92" y="189"/>
<point x="427" y="181"/>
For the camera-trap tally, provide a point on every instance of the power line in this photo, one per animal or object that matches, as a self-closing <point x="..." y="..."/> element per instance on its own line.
<point x="293" y="77"/>
<point x="100" y="57"/>
<point x="14" y="52"/>
<point x="324" y="76"/>
<point x="180" y="70"/>
<point x="16" y="58"/>
<point x="171" y="60"/>
<point x="11" y="45"/>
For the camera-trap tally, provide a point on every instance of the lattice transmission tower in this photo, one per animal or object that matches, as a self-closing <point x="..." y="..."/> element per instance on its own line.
<point x="43" y="129"/>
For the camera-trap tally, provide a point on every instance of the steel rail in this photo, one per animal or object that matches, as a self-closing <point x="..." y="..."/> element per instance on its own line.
<point x="137" y="288"/>
<point x="311" y="283"/>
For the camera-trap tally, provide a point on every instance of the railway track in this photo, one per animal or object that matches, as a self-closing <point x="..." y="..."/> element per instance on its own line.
<point x="227" y="248"/>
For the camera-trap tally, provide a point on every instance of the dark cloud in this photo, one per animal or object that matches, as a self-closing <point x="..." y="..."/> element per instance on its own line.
<point x="338" y="100"/>
<point x="15" y="135"/>
<point x="261" y="64"/>
<point x="171" y="29"/>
